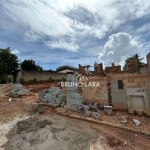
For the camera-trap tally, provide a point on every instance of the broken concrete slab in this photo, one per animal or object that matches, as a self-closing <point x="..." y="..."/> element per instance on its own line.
<point x="137" y="123"/>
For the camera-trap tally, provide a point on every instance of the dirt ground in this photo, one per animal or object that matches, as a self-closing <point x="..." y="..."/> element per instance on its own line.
<point x="72" y="134"/>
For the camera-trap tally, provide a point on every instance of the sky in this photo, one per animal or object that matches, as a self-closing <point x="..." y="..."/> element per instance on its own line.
<point x="72" y="32"/>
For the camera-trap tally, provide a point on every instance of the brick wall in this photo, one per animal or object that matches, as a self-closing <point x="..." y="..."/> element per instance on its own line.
<point x="133" y="64"/>
<point x="129" y="81"/>
<point x="100" y="94"/>
<point x="96" y="94"/>
<point x="112" y="69"/>
<point x="148" y="61"/>
<point x="144" y="70"/>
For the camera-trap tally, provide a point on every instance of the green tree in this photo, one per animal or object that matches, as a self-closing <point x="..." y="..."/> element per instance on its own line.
<point x="8" y="62"/>
<point x="130" y="58"/>
<point x="29" y="65"/>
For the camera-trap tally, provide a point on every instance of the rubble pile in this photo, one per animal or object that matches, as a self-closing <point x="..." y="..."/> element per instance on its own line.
<point x="53" y="96"/>
<point x="5" y="88"/>
<point x="17" y="90"/>
<point x="28" y="126"/>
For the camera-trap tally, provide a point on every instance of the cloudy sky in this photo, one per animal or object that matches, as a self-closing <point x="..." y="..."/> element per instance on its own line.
<point x="72" y="32"/>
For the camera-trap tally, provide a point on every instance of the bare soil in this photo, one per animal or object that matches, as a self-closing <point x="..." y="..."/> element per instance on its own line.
<point x="77" y="134"/>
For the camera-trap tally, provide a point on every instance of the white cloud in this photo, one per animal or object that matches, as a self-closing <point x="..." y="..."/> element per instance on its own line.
<point x="56" y="18"/>
<point x="31" y="36"/>
<point x="15" y="51"/>
<point x="61" y="44"/>
<point x="119" y="47"/>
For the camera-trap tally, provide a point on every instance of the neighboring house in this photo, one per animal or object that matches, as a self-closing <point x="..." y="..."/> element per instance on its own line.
<point x="66" y="68"/>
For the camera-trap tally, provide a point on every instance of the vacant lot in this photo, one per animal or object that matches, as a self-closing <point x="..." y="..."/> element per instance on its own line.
<point x="64" y="133"/>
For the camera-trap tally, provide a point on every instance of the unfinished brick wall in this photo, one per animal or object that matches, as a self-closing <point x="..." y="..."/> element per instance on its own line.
<point x="148" y="61"/>
<point x="129" y="81"/>
<point x="144" y="69"/>
<point x="100" y="94"/>
<point x="98" y="69"/>
<point x="84" y="70"/>
<point x="96" y="94"/>
<point x="133" y="64"/>
<point x="113" y="69"/>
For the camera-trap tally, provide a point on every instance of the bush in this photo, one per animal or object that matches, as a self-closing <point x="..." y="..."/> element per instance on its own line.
<point x="3" y="79"/>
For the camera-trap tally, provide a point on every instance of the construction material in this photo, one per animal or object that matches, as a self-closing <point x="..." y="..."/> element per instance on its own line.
<point x="53" y="96"/>
<point x="73" y="98"/>
<point x="17" y="91"/>
<point x="94" y="106"/>
<point x="108" y="110"/>
<point x="95" y="115"/>
<point x="36" y="109"/>
<point x="137" y="123"/>
<point x="28" y="126"/>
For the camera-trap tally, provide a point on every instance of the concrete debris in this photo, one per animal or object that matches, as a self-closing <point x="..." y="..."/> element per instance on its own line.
<point x="95" y="115"/>
<point x="28" y="126"/>
<point x="56" y="130"/>
<point x="123" y="118"/>
<point x="123" y="121"/>
<point x="53" y="96"/>
<point x="83" y="108"/>
<point x="94" y="106"/>
<point x="17" y="91"/>
<point x="108" y="110"/>
<point x="87" y="113"/>
<point x="36" y="109"/>
<point x="137" y="123"/>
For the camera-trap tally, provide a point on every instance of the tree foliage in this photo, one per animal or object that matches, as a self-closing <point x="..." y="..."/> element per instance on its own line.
<point x="8" y="62"/>
<point x="29" y="65"/>
<point x="130" y="58"/>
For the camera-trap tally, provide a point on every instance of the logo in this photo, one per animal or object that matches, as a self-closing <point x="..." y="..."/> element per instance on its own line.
<point x="79" y="77"/>
<point x="79" y="80"/>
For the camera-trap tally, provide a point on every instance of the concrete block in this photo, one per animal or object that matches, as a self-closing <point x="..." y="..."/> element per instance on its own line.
<point x="107" y="108"/>
<point x="95" y="115"/>
<point x="87" y="113"/>
<point x="109" y="112"/>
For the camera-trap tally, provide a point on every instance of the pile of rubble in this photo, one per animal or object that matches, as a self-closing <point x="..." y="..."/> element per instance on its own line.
<point x="53" y="96"/>
<point x="5" y="88"/>
<point x="17" y="91"/>
<point x="28" y="126"/>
